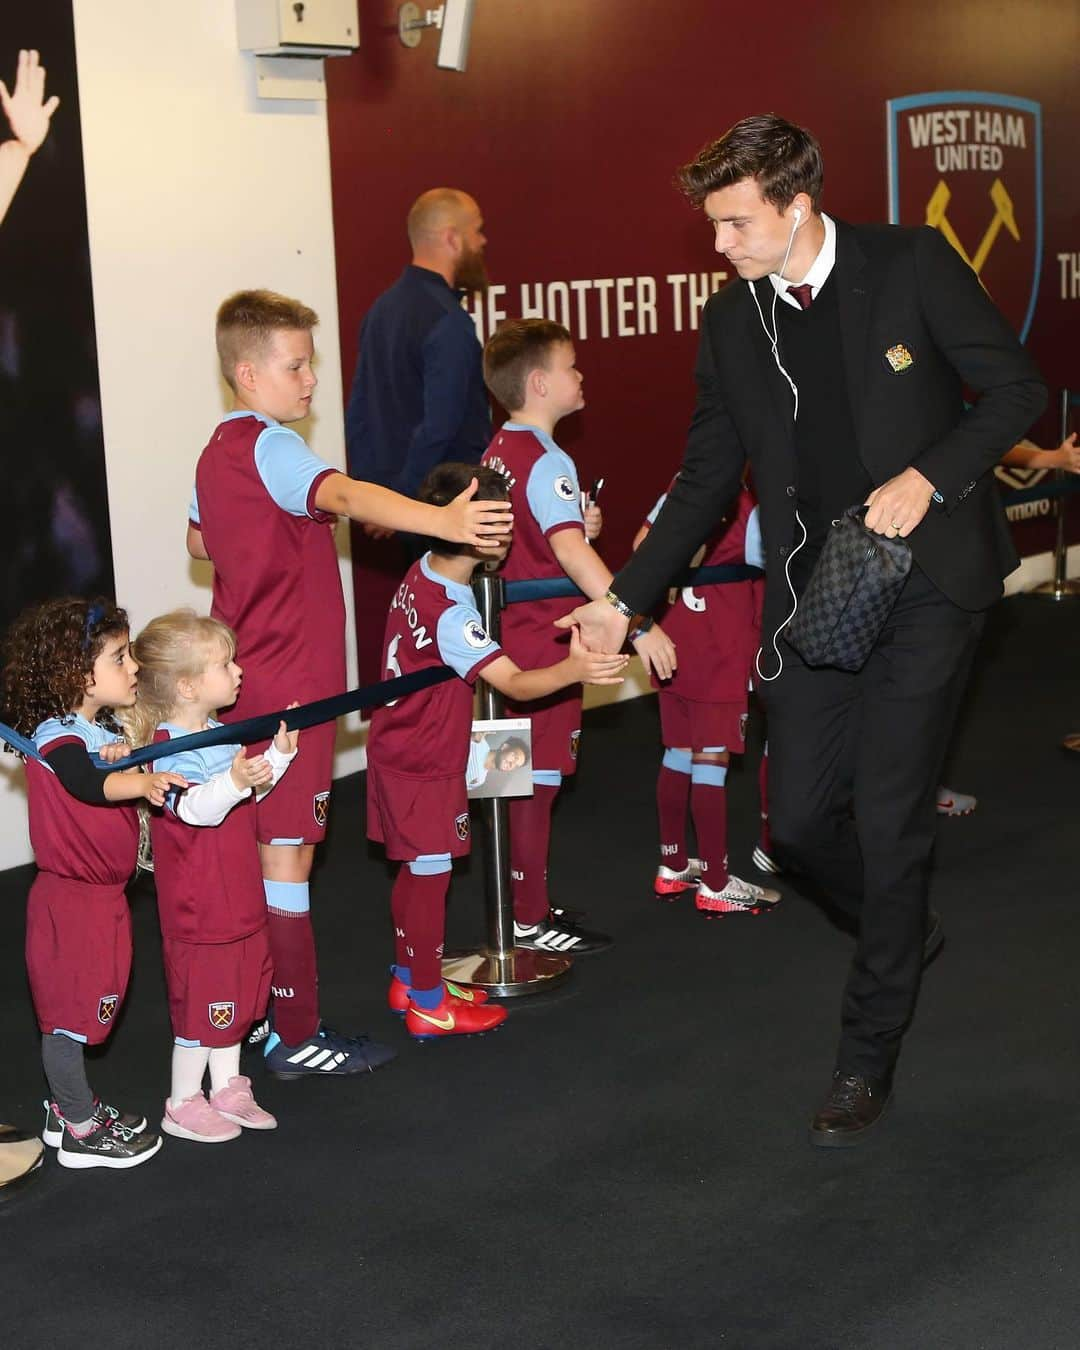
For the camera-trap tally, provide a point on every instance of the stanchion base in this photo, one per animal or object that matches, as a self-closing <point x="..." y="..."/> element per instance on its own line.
<point x="519" y="972"/>
<point x="1053" y="590"/>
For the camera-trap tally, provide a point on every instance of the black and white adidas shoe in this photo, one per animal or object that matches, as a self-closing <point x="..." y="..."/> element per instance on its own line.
<point x="764" y="862"/>
<point x="560" y="936"/>
<point x="328" y="1052"/>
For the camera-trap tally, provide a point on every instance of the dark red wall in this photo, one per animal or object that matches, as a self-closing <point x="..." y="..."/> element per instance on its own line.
<point x="574" y="114"/>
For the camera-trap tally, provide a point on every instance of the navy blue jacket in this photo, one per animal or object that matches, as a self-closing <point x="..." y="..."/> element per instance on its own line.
<point x="418" y="394"/>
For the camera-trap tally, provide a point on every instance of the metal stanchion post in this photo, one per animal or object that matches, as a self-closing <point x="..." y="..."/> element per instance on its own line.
<point x="500" y="968"/>
<point x="1060" y="587"/>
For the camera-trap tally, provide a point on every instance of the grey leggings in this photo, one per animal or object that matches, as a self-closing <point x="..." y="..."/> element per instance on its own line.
<point x="66" y="1071"/>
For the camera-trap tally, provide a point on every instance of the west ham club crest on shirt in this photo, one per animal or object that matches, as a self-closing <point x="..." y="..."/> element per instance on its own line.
<point x="106" y="1009"/>
<point x="221" y="1014"/>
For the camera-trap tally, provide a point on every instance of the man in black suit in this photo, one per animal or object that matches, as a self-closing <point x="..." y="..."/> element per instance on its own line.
<point x="839" y="370"/>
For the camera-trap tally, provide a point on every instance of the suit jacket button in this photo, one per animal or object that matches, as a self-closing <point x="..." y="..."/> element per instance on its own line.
<point x="790" y="491"/>
<point x="782" y="550"/>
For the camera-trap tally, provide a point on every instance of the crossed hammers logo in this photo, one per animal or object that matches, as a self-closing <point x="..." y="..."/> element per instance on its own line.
<point x="1003" y="215"/>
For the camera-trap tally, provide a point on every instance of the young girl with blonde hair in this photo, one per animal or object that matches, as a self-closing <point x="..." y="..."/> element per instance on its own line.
<point x="206" y="867"/>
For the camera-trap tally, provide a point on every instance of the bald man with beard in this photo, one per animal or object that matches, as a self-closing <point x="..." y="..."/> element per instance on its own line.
<point x="418" y="394"/>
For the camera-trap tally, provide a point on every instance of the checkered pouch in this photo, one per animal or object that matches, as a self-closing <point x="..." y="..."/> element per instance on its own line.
<point x="849" y="595"/>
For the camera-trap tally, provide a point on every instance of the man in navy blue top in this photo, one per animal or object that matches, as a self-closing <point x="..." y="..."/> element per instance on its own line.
<point x="418" y="394"/>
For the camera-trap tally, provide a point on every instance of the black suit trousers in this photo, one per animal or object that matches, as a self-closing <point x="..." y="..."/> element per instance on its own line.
<point x="853" y="766"/>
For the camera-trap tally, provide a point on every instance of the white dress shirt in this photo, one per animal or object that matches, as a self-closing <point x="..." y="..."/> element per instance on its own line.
<point x="819" y="270"/>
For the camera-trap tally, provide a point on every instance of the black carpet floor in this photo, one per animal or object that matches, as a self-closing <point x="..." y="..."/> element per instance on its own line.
<point x="625" y="1163"/>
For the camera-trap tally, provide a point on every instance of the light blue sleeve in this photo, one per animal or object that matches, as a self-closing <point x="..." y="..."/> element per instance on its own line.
<point x="287" y="468"/>
<point x="475" y="772"/>
<point x="651" y="517"/>
<point x="552" y="492"/>
<point x="463" y="640"/>
<point x="197" y="766"/>
<point x="755" y="548"/>
<point x="55" y="729"/>
<point x="193" y="509"/>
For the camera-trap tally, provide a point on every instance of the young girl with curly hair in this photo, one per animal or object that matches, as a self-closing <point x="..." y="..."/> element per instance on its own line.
<point x="211" y="903"/>
<point x="67" y="668"/>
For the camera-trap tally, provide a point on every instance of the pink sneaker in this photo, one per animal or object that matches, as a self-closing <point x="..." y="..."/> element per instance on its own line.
<point x="236" y="1102"/>
<point x="194" y="1118"/>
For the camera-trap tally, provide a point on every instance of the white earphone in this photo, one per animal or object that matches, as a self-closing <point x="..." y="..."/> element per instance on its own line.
<point x="774" y="344"/>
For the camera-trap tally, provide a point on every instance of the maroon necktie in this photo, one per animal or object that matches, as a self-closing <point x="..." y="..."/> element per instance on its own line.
<point x="802" y="294"/>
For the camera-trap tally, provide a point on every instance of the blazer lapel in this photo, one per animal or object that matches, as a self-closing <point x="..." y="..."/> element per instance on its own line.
<point x="853" y="297"/>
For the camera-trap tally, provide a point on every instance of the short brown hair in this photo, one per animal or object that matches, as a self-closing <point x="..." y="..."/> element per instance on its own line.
<point x="247" y="321"/>
<point x="513" y="350"/>
<point x="780" y="157"/>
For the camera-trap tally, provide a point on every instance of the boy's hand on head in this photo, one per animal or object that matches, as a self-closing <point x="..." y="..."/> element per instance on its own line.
<point x="485" y="525"/>
<point x="114" y="751"/>
<point x="156" y="786"/>
<point x="285" y="742"/>
<point x="25" y="108"/>
<point x="595" y="667"/>
<point x="657" y="652"/>
<point x="594" y="521"/>
<point x="249" y="773"/>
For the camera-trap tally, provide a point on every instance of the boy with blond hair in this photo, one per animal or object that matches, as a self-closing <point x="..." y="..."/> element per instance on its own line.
<point x="262" y="513"/>
<point x="529" y="366"/>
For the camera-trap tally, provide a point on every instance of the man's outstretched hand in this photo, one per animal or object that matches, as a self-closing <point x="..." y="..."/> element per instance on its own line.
<point x="602" y="627"/>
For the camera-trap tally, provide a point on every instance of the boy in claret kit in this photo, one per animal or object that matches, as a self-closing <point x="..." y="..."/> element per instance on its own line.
<point x="703" y="711"/>
<point x="529" y="367"/>
<point x="262" y="512"/>
<point x="418" y="749"/>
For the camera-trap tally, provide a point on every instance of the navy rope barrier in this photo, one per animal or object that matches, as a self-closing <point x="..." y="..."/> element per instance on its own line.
<point x="553" y="588"/>
<point x="264" y="726"/>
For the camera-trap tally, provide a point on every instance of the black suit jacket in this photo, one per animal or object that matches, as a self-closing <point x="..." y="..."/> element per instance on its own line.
<point x="894" y="286"/>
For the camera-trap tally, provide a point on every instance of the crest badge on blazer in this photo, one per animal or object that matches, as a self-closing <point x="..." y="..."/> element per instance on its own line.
<point x="970" y="165"/>
<point x="899" y="358"/>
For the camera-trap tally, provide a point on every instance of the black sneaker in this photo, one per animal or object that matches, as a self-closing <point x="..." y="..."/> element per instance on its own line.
<point x="53" y="1130"/>
<point x="107" y="1145"/>
<point x="567" y="915"/>
<point x="325" y="1053"/>
<point x="560" y="936"/>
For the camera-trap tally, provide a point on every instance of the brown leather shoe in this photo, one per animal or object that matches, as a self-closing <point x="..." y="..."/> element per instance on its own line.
<point x="854" y="1105"/>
